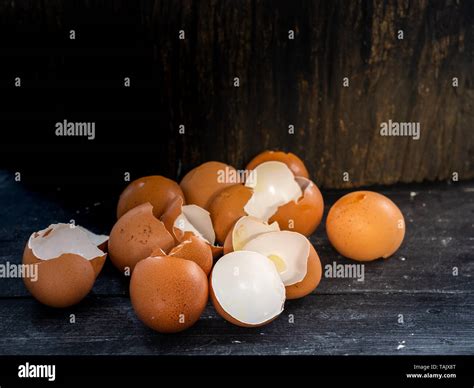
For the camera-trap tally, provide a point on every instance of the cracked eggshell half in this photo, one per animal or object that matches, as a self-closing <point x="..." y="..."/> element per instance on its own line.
<point x="364" y="226"/>
<point x="272" y="184"/>
<point x="246" y="289"/>
<point x="68" y="261"/>
<point x="194" y="249"/>
<point x="294" y="163"/>
<point x="227" y="207"/>
<point x="184" y="221"/>
<point x="244" y="230"/>
<point x="303" y="215"/>
<point x="168" y="294"/>
<point x="158" y="190"/>
<point x="289" y="252"/>
<point x="311" y="281"/>
<point x="135" y="235"/>
<point x="202" y="183"/>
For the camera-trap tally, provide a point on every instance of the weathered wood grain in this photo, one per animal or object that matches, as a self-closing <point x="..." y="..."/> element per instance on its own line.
<point x="323" y="324"/>
<point x="282" y="82"/>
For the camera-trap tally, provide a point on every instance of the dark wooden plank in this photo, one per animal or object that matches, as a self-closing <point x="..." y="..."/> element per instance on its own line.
<point x="282" y="82"/>
<point x="323" y="324"/>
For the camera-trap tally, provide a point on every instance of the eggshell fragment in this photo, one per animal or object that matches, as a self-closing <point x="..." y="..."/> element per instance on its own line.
<point x="135" y="235"/>
<point x="244" y="230"/>
<point x="68" y="262"/>
<point x="273" y="184"/>
<point x="289" y="251"/>
<point x="294" y="163"/>
<point x="202" y="183"/>
<point x="195" y="249"/>
<point x="305" y="214"/>
<point x="227" y="207"/>
<point x="310" y="281"/>
<point x="364" y="226"/>
<point x="168" y="294"/>
<point x="155" y="189"/>
<point x="246" y="289"/>
<point x="184" y="221"/>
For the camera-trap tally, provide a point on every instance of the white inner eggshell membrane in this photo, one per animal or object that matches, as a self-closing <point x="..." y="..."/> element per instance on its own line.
<point x="273" y="185"/>
<point x="196" y="220"/>
<point x="248" y="287"/>
<point x="289" y="252"/>
<point x="96" y="239"/>
<point x="65" y="238"/>
<point x="247" y="228"/>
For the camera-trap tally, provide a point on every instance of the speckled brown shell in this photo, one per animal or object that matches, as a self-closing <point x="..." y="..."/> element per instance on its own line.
<point x="201" y="184"/>
<point x="227" y="207"/>
<point x="197" y="250"/>
<point x="168" y="294"/>
<point x="62" y="281"/>
<point x="135" y="235"/>
<point x="155" y="189"/>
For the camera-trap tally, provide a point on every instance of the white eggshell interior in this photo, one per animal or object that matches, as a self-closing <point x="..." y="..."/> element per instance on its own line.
<point x="247" y="228"/>
<point x="273" y="185"/>
<point x="61" y="238"/>
<point x="198" y="221"/>
<point x="248" y="287"/>
<point x="293" y="248"/>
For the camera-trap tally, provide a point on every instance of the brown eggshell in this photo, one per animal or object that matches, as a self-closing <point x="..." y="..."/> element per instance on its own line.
<point x="169" y="218"/>
<point x="364" y="226"/>
<point x="227" y="316"/>
<point x="227" y="207"/>
<point x="202" y="183"/>
<point x="135" y="235"/>
<point x="228" y="243"/>
<point x="168" y="294"/>
<point x="97" y="263"/>
<point x="197" y="250"/>
<point x="294" y="163"/>
<point x="306" y="213"/>
<point x="155" y="189"/>
<point x="310" y="281"/>
<point x="62" y="282"/>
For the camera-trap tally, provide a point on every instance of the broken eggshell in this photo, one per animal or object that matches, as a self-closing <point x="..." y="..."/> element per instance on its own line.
<point x="365" y="226"/>
<point x="294" y="257"/>
<point x="244" y="230"/>
<point x="303" y="215"/>
<point x="294" y="163"/>
<point x="68" y="261"/>
<point x="184" y="221"/>
<point x="168" y="294"/>
<point x="273" y="185"/>
<point x="202" y="183"/>
<point x="135" y="235"/>
<point x="156" y="189"/>
<point x="289" y="251"/>
<point x="311" y="281"/>
<point x="246" y="289"/>
<point x="227" y="207"/>
<point x="194" y="249"/>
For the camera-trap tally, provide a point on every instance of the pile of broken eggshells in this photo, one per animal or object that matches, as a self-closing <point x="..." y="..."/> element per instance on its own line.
<point x="243" y="242"/>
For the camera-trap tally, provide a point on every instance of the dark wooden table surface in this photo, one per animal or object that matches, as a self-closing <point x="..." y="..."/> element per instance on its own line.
<point x="409" y="304"/>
